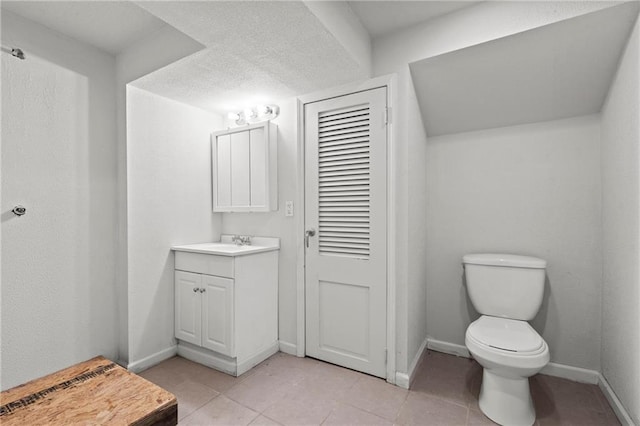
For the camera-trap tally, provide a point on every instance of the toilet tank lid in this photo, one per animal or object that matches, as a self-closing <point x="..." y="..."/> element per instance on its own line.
<point x="511" y="260"/>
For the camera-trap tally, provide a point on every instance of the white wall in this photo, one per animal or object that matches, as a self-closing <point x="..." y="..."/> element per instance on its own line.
<point x="59" y="160"/>
<point x="417" y="204"/>
<point x="169" y="203"/>
<point x="157" y="50"/>
<point x="621" y="231"/>
<point x="531" y="190"/>
<point x="410" y="227"/>
<point x="276" y="224"/>
<point x="345" y="26"/>
<point x="392" y="54"/>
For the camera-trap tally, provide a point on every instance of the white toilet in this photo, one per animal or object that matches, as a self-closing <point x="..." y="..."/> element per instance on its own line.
<point x="507" y="290"/>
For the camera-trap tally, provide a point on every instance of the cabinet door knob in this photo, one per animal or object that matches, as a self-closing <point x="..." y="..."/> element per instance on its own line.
<point x="202" y="290"/>
<point x="195" y="289"/>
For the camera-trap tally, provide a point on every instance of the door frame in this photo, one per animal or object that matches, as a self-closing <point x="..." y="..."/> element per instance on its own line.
<point x="390" y="83"/>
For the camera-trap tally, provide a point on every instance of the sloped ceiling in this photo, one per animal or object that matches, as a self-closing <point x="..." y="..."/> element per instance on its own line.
<point x="557" y="71"/>
<point x="385" y="17"/>
<point x="255" y="52"/>
<point x="107" y="25"/>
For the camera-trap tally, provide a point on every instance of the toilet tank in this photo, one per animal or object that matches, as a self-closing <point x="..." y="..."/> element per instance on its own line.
<point x="505" y="285"/>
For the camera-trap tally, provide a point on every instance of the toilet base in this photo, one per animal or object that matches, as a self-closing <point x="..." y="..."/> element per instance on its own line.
<point x="506" y="401"/>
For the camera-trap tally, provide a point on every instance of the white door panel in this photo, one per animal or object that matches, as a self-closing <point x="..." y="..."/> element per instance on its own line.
<point x="240" y="169"/>
<point x="188" y="307"/>
<point x="345" y="203"/>
<point x="217" y="311"/>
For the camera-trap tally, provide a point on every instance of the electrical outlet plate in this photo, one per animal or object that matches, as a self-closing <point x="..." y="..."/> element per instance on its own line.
<point x="288" y="208"/>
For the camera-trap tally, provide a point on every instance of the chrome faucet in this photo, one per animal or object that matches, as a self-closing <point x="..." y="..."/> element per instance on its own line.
<point x="241" y="240"/>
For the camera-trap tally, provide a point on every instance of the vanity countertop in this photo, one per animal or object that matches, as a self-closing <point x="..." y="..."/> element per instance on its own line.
<point x="225" y="247"/>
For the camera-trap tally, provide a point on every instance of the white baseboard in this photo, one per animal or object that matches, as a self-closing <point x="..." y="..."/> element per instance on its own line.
<point x="448" y="348"/>
<point x="288" y="348"/>
<point x="615" y="403"/>
<point x="575" y="374"/>
<point x="151" y="360"/>
<point x="208" y="358"/>
<point x="404" y="380"/>
<point x="256" y="359"/>
<point x="224" y="363"/>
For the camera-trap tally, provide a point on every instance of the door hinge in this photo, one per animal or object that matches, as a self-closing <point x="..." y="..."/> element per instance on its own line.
<point x="385" y="357"/>
<point x="387" y="115"/>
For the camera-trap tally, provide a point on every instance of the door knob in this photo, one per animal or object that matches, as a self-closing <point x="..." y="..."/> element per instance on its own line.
<point x="308" y="233"/>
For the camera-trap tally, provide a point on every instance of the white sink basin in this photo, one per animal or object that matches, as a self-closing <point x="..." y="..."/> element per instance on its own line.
<point x="229" y="249"/>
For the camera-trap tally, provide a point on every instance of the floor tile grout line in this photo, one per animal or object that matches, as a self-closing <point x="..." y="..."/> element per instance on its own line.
<point x="328" y="415"/>
<point x="253" y="419"/>
<point x="270" y="418"/>
<point x="196" y="409"/>
<point x="367" y="411"/>
<point x="404" y="402"/>
<point x="370" y="412"/>
<point x="441" y="398"/>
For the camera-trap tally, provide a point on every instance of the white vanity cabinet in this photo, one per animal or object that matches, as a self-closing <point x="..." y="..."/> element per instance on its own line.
<point x="226" y="303"/>
<point x="244" y="168"/>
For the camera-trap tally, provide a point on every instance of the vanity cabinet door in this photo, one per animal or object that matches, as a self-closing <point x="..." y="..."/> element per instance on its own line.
<point x="217" y="315"/>
<point x="188" y="307"/>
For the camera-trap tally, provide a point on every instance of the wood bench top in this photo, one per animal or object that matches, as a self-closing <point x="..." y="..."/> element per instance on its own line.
<point x="94" y="392"/>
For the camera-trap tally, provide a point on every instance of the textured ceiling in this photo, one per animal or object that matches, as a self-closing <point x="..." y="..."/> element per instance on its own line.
<point x="384" y="17"/>
<point x="255" y="52"/>
<point x="108" y="25"/>
<point x="557" y="71"/>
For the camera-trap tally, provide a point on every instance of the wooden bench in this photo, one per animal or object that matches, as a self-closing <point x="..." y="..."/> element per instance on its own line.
<point x="93" y="392"/>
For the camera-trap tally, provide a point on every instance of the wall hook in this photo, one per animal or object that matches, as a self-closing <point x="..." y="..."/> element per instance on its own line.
<point x="19" y="210"/>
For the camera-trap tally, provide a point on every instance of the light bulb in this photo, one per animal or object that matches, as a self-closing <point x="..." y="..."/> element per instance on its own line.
<point x="263" y="110"/>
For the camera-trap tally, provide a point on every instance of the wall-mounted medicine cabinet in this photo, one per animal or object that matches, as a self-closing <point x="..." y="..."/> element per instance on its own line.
<point x="244" y="168"/>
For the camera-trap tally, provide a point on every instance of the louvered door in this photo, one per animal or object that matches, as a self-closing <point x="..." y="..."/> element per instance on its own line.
<point x="345" y="203"/>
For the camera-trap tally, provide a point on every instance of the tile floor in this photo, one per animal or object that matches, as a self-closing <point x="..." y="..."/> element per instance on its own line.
<point x="302" y="391"/>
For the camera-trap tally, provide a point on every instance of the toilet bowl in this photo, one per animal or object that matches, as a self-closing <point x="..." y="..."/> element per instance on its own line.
<point x="507" y="291"/>
<point x="510" y="351"/>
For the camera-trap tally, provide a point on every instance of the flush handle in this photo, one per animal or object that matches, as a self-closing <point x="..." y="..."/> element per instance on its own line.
<point x="307" y="234"/>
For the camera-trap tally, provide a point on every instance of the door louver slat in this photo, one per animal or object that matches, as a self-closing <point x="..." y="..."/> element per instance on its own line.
<point x="347" y="136"/>
<point x="343" y="182"/>
<point x="340" y="142"/>
<point x="345" y="164"/>
<point x="349" y="120"/>
<point x="345" y="146"/>
<point x="343" y="113"/>
<point x="361" y="130"/>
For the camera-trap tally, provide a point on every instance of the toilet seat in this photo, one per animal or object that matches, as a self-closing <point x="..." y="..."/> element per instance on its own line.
<point x="507" y="343"/>
<point x="504" y="334"/>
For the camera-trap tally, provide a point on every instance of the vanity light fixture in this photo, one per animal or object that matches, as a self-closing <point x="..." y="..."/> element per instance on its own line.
<point x="255" y="114"/>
